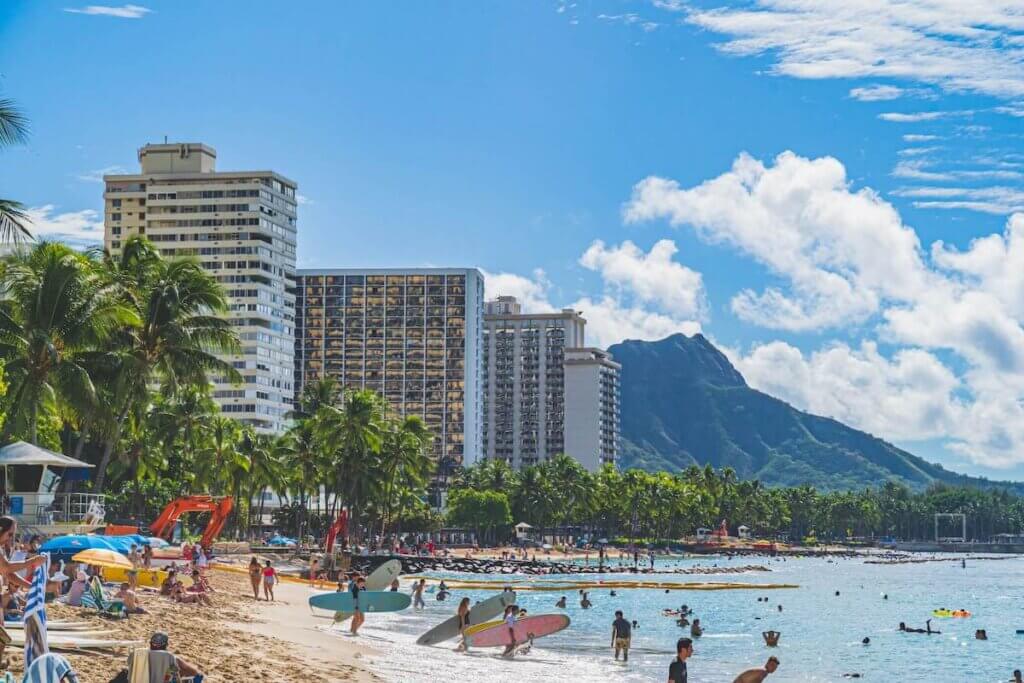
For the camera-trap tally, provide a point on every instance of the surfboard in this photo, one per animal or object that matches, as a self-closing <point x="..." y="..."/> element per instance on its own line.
<point x="378" y="580"/>
<point x="480" y="612"/>
<point x="536" y="626"/>
<point x="54" y="625"/>
<point x="61" y="641"/>
<point x="369" y="601"/>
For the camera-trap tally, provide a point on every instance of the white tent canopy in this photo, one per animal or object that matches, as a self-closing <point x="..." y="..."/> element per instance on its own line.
<point x="21" y="453"/>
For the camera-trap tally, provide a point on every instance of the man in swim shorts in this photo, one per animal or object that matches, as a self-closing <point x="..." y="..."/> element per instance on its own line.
<point x="621" y="633"/>
<point x="758" y="675"/>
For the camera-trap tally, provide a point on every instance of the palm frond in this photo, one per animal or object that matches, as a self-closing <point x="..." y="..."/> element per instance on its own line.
<point x="13" y="222"/>
<point x="13" y="124"/>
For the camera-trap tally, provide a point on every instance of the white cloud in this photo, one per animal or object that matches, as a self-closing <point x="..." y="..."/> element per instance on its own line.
<point x="884" y="93"/>
<point x="302" y="200"/>
<point x="79" y="228"/>
<point x="998" y="200"/>
<point x="609" y="322"/>
<point x="955" y="45"/>
<point x="914" y="117"/>
<point x="653" y="277"/>
<point x="912" y="137"/>
<point x="630" y="19"/>
<point x="532" y="293"/>
<point x="877" y="93"/>
<point x="632" y="305"/>
<point x="96" y="176"/>
<point x="122" y="12"/>
<point x="910" y="397"/>
<point x="841" y="251"/>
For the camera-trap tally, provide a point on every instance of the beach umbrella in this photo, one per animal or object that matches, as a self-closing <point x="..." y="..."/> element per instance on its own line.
<point x="73" y="543"/>
<point x="103" y="557"/>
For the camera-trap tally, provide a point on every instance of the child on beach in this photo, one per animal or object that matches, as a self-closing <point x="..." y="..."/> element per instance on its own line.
<point x="269" y="579"/>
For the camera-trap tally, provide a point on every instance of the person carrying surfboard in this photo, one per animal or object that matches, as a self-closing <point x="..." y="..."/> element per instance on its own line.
<point x="355" y="588"/>
<point x="463" y="615"/>
<point x="511" y="614"/>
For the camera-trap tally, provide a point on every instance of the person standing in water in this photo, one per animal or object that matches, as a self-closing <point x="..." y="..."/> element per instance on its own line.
<point x="758" y="675"/>
<point x="417" y="595"/>
<point x="677" y="669"/>
<point x="621" y="633"/>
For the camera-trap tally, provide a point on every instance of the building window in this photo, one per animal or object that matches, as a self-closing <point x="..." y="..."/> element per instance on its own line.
<point x="115" y="216"/>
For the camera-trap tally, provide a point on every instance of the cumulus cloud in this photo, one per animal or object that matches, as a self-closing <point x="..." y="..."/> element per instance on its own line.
<point x="956" y="46"/>
<point x="79" y="228"/>
<point x="122" y="12"/>
<point x="841" y="251"/>
<point x="654" y="277"/>
<point x="645" y="295"/>
<point x="911" y="396"/>
<point x="532" y="292"/>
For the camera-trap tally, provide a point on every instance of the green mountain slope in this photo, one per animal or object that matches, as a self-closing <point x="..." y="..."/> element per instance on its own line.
<point x="683" y="403"/>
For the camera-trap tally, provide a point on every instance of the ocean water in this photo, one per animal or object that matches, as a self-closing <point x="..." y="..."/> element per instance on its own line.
<point x="821" y="632"/>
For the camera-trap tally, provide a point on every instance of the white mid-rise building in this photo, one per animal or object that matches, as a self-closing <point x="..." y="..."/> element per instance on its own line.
<point x="543" y="390"/>
<point x="241" y="225"/>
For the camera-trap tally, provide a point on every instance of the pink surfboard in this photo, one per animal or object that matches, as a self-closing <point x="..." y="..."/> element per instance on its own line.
<point x="537" y="626"/>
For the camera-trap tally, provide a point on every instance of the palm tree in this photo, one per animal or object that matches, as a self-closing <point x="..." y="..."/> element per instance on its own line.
<point x="179" y="336"/>
<point x="404" y="458"/>
<point x="301" y="456"/>
<point x="264" y="466"/>
<point x="13" y="131"/>
<point x="56" y="310"/>
<point x="353" y="429"/>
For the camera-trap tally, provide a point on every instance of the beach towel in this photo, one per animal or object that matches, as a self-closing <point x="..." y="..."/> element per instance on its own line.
<point x="50" y="668"/>
<point x="152" y="666"/>
<point x="95" y="598"/>
<point x="35" y="617"/>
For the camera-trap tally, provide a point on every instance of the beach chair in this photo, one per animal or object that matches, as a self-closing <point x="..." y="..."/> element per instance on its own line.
<point x="155" y="666"/>
<point x="50" y="668"/>
<point x="95" y="599"/>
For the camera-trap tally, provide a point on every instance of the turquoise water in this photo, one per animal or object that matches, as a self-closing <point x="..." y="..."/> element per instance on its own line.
<point x="821" y="632"/>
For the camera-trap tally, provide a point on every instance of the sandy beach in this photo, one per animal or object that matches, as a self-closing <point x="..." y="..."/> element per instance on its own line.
<point x="237" y="639"/>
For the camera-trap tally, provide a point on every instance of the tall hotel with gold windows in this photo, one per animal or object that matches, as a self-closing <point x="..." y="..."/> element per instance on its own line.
<point x="412" y="335"/>
<point x="241" y="226"/>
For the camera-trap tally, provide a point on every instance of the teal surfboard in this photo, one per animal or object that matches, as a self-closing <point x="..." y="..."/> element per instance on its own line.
<point x="369" y="601"/>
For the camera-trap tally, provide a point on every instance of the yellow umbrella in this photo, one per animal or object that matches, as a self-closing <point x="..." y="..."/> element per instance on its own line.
<point x="107" y="558"/>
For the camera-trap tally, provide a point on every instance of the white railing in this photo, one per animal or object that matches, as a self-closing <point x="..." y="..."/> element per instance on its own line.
<point x="68" y="508"/>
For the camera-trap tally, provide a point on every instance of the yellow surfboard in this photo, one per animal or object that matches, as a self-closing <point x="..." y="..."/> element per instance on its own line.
<point x="153" y="578"/>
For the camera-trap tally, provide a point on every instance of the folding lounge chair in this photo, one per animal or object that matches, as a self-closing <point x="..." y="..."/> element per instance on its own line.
<point x="94" y="598"/>
<point x="154" y="666"/>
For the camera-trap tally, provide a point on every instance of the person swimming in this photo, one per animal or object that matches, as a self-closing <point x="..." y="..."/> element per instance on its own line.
<point x="561" y="603"/>
<point x="696" y="631"/>
<point x="771" y="638"/>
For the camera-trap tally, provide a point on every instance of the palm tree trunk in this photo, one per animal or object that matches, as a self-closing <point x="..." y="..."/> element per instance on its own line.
<point x="108" y="448"/>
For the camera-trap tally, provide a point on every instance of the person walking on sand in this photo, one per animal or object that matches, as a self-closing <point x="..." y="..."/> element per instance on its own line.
<point x="463" y="614"/>
<point x="254" y="577"/>
<point x="677" y="669"/>
<point x="269" y="578"/>
<point x="417" y="594"/>
<point x="758" y="675"/>
<point x="621" y="633"/>
<point x="358" y="586"/>
<point x="147" y="557"/>
<point x="133" y="574"/>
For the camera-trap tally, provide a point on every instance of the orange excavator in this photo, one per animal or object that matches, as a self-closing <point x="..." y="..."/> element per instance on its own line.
<point x="219" y="509"/>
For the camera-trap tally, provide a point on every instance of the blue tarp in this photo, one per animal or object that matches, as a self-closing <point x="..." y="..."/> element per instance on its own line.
<point x="282" y="541"/>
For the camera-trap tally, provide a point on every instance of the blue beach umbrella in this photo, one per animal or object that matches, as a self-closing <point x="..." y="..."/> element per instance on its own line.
<point x="63" y="547"/>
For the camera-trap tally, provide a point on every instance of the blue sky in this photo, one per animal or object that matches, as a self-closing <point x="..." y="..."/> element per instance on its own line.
<point x="620" y="157"/>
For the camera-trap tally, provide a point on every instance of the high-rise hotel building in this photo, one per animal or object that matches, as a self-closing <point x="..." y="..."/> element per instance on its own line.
<point x="544" y="392"/>
<point x="413" y="335"/>
<point x="241" y="225"/>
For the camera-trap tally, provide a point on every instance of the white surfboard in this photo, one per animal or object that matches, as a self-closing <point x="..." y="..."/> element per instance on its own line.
<point x="54" y="625"/>
<point x="67" y="641"/>
<point x="480" y="613"/>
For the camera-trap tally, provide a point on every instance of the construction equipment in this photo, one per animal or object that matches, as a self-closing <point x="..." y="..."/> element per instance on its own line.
<point x="219" y="509"/>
